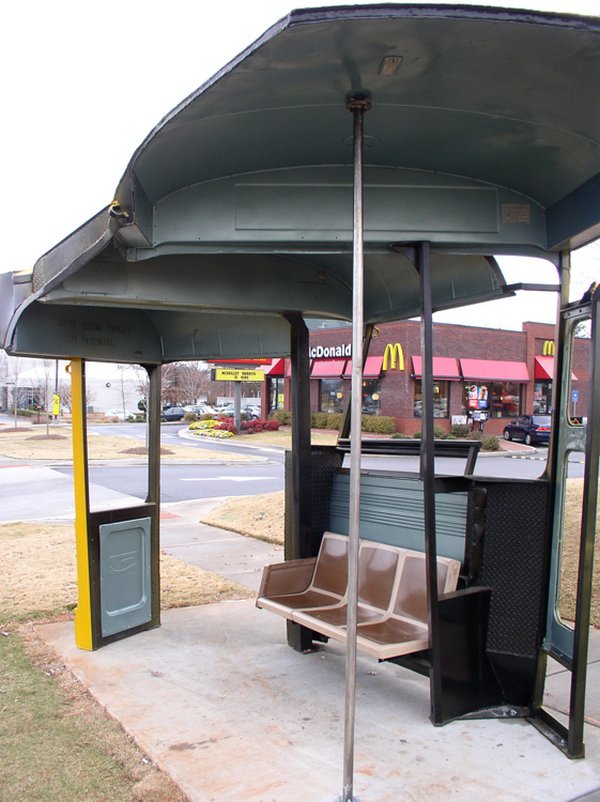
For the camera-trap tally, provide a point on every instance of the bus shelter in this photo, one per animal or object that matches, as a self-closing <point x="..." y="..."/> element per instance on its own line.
<point x="363" y="164"/>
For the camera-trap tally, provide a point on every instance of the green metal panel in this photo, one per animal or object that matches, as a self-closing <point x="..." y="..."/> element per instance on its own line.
<point x="391" y="511"/>
<point x="314" y="204"/>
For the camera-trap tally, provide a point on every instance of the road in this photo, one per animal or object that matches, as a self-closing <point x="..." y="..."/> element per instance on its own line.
<point x="29" y="492"/>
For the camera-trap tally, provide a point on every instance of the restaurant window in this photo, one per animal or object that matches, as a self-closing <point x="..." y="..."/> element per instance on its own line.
<point x="371" y="397"/>
<point x="275" y="394"/>
<point x="440" y="399"/>
<point x="498" y="399"/>
<point x="332" y="395"/>
<point x="542" y="398"/>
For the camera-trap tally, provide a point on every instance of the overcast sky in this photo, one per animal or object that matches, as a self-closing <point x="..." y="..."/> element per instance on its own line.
<point x="83" y="82"/>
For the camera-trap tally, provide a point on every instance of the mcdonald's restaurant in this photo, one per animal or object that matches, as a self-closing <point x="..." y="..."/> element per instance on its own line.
<point x="492" y="375"/>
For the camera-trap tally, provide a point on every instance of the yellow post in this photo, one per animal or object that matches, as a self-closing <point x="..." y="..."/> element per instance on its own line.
<point x="83" y="612"/>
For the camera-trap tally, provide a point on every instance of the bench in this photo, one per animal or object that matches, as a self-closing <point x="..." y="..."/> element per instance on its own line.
<point x="392" y="594"/>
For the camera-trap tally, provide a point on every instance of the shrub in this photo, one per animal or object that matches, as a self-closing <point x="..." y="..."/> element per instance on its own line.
<point x="438" y="434"/>
<point x="378" y="424"/>
<point x="190" y="416"/>
<point x="460" y="429"/>
<point x="256" y="426"/>
<point x="489" y="442"/>
<point x="325" y="420"/>
<point x="282" y="417"/>
<point x="225" y="425"/>
<point x="210" y="428"/>
<point x="203" y="425"/>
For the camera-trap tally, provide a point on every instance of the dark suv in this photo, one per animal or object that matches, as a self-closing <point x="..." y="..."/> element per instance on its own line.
<point x="172" y="413"/>
<point x="530" y="429"/>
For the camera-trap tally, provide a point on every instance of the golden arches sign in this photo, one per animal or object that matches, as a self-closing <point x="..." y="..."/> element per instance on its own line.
<point x="394" y="356"/>
<point x="548" y="348"/>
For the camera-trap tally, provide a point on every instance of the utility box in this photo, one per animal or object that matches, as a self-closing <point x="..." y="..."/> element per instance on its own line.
<point x="125" y="577"/>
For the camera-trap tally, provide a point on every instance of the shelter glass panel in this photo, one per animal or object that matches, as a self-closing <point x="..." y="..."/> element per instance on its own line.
<point x="441" y="397"/>
<point x="332" y="395"/>
<point x="498" y="399"/>
<point x="542" y="398"/>
<point x="371" y="397"/>
<point x="276" y="394"/>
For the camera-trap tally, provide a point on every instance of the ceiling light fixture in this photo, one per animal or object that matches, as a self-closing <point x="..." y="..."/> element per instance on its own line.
<point x="389" y="65"/>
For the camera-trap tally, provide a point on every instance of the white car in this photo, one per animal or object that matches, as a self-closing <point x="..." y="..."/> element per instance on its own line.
<point x="120" y="413"/>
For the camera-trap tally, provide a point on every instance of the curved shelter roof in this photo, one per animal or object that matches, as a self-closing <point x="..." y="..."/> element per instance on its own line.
<point x="483" y="138"/>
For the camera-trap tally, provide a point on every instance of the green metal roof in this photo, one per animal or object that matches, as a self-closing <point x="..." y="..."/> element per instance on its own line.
<point x="485" y="139"/>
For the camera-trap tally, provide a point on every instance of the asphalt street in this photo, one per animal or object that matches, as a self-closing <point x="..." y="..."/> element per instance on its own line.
<point x="37" y="491"/>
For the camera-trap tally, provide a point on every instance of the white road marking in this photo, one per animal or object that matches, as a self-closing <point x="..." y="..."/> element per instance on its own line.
<point x="226" y="478"/>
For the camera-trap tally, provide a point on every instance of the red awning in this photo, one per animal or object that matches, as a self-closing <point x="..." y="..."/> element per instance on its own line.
<point x="494" y="370"/>
<point x="371" y="368"/>
<point x="444" y="367"/>
<point x="276" y="368"/>
<point x="328" y="368"/>
<point x="543" y="369"/>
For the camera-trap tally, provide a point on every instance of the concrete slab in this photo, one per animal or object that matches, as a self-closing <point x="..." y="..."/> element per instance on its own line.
<point x="218" y="700"/>
<point x="237" y="558"/>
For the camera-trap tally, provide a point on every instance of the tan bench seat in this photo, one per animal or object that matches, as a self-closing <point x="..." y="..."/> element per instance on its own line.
<point x="303" y="584"/>
<point x="392" y="595"/>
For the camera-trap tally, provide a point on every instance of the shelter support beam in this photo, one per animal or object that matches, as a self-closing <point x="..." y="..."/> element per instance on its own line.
<point x="427" y="472"/>
<point x="299" y="638"/>
<point x="153" y="422"/>
<point x="83" y="611"/>
<point x="358" y="106"/>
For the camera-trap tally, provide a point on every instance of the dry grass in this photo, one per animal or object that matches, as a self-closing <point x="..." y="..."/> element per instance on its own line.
<point x="38" y="576"/>
<point x="28" y="443"/>
<point x="570" y="555"/>
<point x="259" y="516"/>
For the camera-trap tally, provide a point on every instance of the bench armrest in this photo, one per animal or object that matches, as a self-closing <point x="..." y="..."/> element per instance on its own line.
<point x="292" y="576"/>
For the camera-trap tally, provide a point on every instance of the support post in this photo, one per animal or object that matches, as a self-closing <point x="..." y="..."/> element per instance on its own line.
<point x="575" y="745"/>
<point x="153" y="410"/>
<point x="300" y="398"/>
<point x="427" y="473"/>
<point x="345" y="427"/>
<point x="358" y="106"/>
<point x="83" y="611"/>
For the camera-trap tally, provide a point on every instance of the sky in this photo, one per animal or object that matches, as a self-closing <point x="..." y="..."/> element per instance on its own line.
<point x="83" y="82"/>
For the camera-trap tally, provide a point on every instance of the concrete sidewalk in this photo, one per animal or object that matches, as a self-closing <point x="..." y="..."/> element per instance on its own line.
<point x="237" y="558"/>
<point x="220" y="702"/>
<point x="217" y="698"/>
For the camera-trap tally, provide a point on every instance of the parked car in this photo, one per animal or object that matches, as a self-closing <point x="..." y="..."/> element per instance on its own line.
<point x="120" y="413"/>
<point x="530" y="429"/>
<point x="248" y="411"/>
<point x="200" y="409"/>
<point x="172" y="413"/>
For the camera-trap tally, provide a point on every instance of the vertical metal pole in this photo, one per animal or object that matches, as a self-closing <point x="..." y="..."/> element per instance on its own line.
<point x="153" y="410"/>
<point x="300" y="404"/>
<point x="237" y="405"/>
<point x="84" y="636"/>
<point x="586" y="548"/>
<point x="427" y="472"/>
<point x="358" y="106"/>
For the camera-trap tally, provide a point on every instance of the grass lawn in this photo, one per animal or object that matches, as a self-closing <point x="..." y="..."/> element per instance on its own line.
<point x="56" y="743"/>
